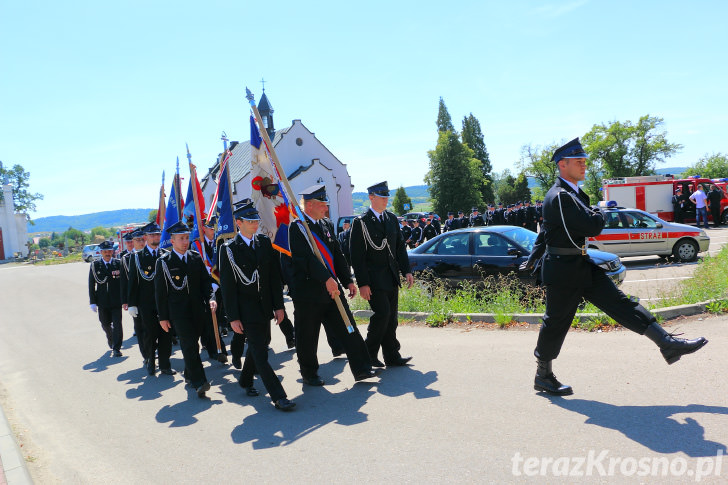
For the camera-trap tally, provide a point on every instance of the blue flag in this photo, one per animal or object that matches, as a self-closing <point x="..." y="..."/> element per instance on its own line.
<point x="188" y="213"/>
<point x="170" y="217"/>
<point x="225" y="228"/>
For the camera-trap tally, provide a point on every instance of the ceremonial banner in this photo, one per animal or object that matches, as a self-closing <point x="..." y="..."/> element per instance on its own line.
<point x="225" y="228"/>
<point x="190" y="208"/>
<point x="160" y="205"/>
<point x="171" y="215"/>
<point x="268" y="194"/>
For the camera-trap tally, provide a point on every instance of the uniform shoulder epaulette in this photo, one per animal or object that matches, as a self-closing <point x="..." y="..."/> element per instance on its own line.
<point x="262" y="236"/>
<point x="229" y="242"/>
<point x="165" y="255"/>
<point x="194" y="251"/>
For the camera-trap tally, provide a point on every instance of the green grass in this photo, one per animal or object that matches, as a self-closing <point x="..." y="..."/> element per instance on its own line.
<point x="505" y="296"/>
<point x="71" y="258"/>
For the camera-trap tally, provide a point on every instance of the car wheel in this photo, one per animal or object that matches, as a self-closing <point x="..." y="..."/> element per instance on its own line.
<point x="685" y="250"/>
<point x="724" y="218"/>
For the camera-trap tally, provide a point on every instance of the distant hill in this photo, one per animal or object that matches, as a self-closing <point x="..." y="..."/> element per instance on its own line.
<point x="676" y="171"/>
<point x="418" y="193"/>
<point x="86" y="222"/>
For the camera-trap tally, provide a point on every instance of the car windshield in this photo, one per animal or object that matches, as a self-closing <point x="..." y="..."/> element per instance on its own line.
<point x="639" y="220"/>
<point x="522" y="236"/>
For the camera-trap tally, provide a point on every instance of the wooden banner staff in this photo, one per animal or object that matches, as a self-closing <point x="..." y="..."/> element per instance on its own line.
<point x="294" y="202"/>
<point x="198" y="218"/>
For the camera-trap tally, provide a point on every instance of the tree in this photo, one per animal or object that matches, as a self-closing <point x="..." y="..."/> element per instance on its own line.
<point x="506" y="191"/>
<point x="473" y="137"/>
<point x="455" y="175"/>
<point x="23" y="200"/>
<point x="523" y="193"/>
<point x="624" y="149"/>
<point x="536" y="162"/>
<point x="153" y="215"/>
<point x="44" y="242"/>
<point x="100" y="231"/>
<point x="713" y="166"/>
<point x="400" y="199"/>
<point x="444" y="122"/>
<point x="74" y="235"/>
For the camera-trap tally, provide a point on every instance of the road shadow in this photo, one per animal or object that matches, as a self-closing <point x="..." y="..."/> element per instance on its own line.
<point x="651" y="426"/>
<point x="104" y="362"/>
<point x="398" y="381"/>
<point x="317" y="407"/>
<point x="184" y="412"/>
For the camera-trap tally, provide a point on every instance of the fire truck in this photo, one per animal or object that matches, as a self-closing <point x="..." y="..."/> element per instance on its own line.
<point x="653" y="193"/>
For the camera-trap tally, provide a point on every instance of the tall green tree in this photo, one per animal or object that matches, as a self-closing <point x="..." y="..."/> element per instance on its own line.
<point x="472" y="136"/>
<point x="711" y="166"/>
<point x="444" y="122"/>
<point x="23" y="199"/>
<point x="506" y="188"/>
<point x="400" y="199"/>
<point x="523" y="193"/>
<point x="152" y="215"/>
<point x="536" y="162"/>
<point x="625" y="149"/>
<point x="455" y="175"/>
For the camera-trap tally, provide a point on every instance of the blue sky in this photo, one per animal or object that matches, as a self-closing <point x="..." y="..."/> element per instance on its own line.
<point x="96" y="99"/>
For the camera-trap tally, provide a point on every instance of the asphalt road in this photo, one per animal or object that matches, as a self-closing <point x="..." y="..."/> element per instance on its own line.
<point x="465" y="412"/>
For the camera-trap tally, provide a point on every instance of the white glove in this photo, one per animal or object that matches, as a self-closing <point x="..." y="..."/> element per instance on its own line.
<point x="94" y="308"/>
<point x="215" y="286"/>
<point x="133" y="311"/>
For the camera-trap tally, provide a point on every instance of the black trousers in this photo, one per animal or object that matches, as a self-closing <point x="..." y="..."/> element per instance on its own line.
<point x="382" y="331"/>
<point x="139" y="331"/>
<point x="155" y="339"/>
<point x="110" y="319"/>
<point x="679" y="215"/>
<point x="188" y="332"/>
<point x="561" y="304"/>
<point x="238" y="341"/>
<point x="309" y="316"/>
<point x="715" y="212"/>
<point x="256" y="360"/>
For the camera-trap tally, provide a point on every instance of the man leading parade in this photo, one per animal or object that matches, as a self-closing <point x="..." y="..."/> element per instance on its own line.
<point x="569" y="274"/>
<point x="378" y="256"/>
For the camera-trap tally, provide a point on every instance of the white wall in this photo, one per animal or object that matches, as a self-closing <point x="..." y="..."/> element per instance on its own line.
<point x="13" y="225"/>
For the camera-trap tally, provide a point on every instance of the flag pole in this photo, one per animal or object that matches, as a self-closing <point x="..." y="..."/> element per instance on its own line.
<point x="198" y="219"/>
<point x="161" y="209"/>
<point x="294" y="202"/>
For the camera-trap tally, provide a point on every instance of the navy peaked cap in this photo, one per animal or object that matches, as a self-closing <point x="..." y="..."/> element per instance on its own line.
<point x="381" y="189"/>
<point x="245" y="209"/>
<point x="315" y="192"/>
<point x="573" y="149"/>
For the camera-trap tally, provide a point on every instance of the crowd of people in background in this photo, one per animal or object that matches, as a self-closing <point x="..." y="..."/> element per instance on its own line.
<point x="521" y="214"/>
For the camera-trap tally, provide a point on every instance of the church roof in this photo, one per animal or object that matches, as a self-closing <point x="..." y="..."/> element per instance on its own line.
<point x="264" y="104"/>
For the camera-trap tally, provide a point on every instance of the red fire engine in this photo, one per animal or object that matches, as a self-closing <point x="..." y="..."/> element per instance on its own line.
<point x="653" y="193"/>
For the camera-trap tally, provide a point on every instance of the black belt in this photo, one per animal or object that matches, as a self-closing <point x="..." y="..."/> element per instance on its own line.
<point x="564" y="251"/>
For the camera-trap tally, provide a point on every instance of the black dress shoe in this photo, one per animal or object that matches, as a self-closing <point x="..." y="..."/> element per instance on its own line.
<point x="151" y="369"/>
<point x="313" y="381"/>
<point x="673" y="348"/>
<point x="546" y="381"/>
<point x="377" y="363"/>
<point x="168" y="372"/>
<point x="291" y="343"/>
<point x="251" y="391"/>
<point x="402" y="361"/>
<point x="117" y="353"/>
<point x="202" y="389"/>
<point x="237" y="363"/>
<point x="285" y="405"/>
<point x="337" y="352"/>
<point x="222" y="358"/>
<point x="367" y="374"/>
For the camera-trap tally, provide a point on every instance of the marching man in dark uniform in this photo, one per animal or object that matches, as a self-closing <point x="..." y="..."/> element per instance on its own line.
<point x="137" y="239"/>
<point x="208" y="332"/>
<point x="451" y="223"/>
<point x="569" y="274"/>
<point x="343" y="238"/>
<point x="531" y="217"/>
<point x="476" y="220"/>
<point x="406" y="230"/>
<point x="379" y="256"/>
<point x="317" y="284"/>
<point x="464" y="221"/>
<point x="104" y="291"/>
<point x="416" y="237"/>
<point x="183" y="288"/>
<point x="429" y="230"/>
<point x="250" y="277"/>
<point x="498" y="217"/>
<point x="143" y="303"/>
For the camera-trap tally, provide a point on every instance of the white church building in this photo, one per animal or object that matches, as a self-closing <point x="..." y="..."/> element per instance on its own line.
<point x="304" y="159"/>
<point x="13" y="227"/>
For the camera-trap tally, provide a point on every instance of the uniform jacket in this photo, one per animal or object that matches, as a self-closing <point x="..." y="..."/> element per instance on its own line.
<point x="581" y="222"/>
<point x="416" y="234"/>
<point x="379" y="269"/>
<point x="104" y="290"/>
<point x="343" y="239"/>
<point x="428" y="232"/>
<point x="125" y="269"/>
<point x="476" y="221"/>
<point x="406" y="232"/>
<point x="189" y="302"/>
<point x="141" y="291"/>
<point x="252" y="303"/>
<point x="310" y="274"/>
<point x="452" y="224"/>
